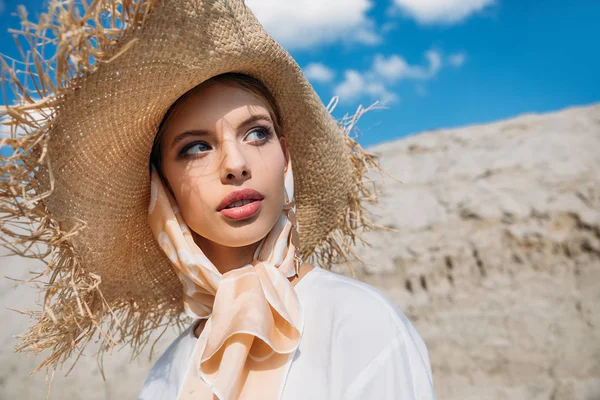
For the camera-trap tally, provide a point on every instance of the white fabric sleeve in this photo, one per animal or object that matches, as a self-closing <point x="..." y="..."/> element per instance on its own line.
<point x="401" y="371"/>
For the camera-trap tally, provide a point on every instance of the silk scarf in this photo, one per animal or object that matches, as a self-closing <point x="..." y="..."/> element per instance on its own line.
<point x="254" y="319"/>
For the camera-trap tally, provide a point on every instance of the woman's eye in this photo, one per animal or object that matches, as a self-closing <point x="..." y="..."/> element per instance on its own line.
<point x="259" y="134"/>
<point x="195" y="148"/>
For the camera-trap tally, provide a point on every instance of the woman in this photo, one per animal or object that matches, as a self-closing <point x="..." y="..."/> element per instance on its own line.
<point x="238" y="143"/>
<point x="206" y="150"/>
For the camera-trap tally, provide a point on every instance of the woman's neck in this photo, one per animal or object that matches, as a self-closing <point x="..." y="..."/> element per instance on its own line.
<point x="225" y="258"/>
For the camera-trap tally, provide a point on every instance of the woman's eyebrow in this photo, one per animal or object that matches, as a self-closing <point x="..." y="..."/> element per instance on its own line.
<point x="202" y="132"/>
<point x="192" y="132"/>
<point x="256" y="117"/>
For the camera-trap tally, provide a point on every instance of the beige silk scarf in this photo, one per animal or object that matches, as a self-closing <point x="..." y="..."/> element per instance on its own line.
<point x="254" y="319"/>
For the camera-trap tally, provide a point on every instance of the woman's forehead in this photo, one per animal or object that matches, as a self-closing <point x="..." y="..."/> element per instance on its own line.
<point x="216" y="106"/>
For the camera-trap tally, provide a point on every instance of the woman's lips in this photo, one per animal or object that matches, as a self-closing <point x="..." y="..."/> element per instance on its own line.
<point x="242" y="212"/>
<point x="239" y="195"/>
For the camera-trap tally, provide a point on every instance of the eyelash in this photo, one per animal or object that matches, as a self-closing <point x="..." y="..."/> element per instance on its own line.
<point x="262" y="129"/>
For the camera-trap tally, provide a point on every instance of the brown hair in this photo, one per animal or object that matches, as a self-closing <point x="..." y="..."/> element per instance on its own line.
<point x="234" y="79"/>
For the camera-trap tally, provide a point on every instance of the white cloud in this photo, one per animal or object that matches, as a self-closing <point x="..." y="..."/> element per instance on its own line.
<point x="435" y="62"/>
<point x="392" y="68"/>
<point x="457" y="59"/>
<point x="352" y="86"/>
<point x="356" y="85"/>
<point x="441" y="11"/>
<point x="395" y="67"/>
<point x="319" y="72"/>
<point x="385" y="72"/>
<point x="314" y="22"/>
<point x="366" y="36"/>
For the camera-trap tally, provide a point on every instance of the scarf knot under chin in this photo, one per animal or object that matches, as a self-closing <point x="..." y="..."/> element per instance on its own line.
<point x="254" y="316"/>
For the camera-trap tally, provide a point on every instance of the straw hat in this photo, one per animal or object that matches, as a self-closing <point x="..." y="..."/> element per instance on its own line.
<point x="82" y="130"/>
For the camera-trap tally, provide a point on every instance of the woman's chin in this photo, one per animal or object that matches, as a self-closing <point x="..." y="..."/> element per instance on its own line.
<point x="238" y="233"/>
<point x="242" y="241"/>
<point x="244" y="235"/>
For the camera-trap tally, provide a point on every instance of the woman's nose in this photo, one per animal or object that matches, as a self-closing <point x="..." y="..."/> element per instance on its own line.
<point x="235" y="168"/>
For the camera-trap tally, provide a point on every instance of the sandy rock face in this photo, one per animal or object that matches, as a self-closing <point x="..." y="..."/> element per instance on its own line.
<point x="496" y="260"/>
<point x="497" y="254"/>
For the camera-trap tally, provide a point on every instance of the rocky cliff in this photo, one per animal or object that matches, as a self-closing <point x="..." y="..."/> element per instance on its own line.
<point x="496" y="257"/>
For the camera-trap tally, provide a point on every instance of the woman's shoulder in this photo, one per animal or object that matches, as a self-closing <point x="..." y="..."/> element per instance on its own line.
<point x="351" y="300"/>
<point x="367" y="333"/>
<point x="356" y="310"/>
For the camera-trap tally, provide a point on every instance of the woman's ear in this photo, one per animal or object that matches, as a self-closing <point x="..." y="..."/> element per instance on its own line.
<point x="283" y="143"/>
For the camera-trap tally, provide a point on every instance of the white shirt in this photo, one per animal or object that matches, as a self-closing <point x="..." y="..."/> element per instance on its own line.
<point x="356" y="344"/>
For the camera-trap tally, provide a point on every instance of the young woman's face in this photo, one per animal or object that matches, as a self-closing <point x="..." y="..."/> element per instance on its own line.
<point x="219" y="141"/>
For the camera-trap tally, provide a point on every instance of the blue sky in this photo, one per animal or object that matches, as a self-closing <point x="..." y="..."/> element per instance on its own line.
<point x="438" y="63"/>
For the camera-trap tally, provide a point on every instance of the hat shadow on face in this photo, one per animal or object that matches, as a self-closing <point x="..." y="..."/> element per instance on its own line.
<point x="222" y="105"/>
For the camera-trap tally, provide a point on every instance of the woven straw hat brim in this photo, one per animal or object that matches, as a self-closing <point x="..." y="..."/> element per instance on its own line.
<point x="89" y="158"/>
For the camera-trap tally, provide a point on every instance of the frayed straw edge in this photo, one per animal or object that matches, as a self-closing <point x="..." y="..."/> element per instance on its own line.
<point x="74" y="309"/>
<point x="337" y="247"/>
